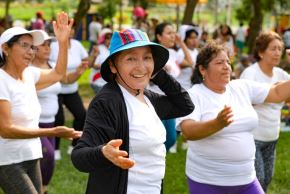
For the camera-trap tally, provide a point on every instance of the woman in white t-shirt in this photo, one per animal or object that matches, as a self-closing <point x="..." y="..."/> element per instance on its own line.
<point x="20" y="147"/>
<point x="268" y="52"/>
<point x="221" y="153"/>
<point x="122" y="147"/>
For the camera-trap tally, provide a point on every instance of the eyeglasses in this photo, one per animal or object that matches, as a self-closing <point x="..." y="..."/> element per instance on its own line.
<point x="26" y="46"/>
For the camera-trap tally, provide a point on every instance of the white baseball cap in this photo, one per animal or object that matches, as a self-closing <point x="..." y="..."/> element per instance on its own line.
<point x="37" y="35"/>
<point x="184" y="28"/>
<point x="46" y="36"/>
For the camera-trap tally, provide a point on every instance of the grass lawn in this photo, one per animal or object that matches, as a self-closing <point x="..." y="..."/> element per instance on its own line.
<point x="67" y="180"/>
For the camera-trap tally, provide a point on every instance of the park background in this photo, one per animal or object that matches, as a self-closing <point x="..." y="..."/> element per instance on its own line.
<point x="207" y="13"/>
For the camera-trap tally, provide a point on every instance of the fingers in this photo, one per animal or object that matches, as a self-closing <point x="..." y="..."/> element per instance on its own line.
<point x="226" y="115"/>
<point x="77" y="134"/>
<point x="115" y="143"/>
<point x="71" y="22"/>
<point x="125" y="163"/>
<point x="118" y="157"/>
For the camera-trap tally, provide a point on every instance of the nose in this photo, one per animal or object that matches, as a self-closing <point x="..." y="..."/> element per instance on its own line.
<point x="227" y="66"/>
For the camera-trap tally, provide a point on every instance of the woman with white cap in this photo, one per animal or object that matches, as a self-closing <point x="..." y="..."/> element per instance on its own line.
<point x="20" y="147"/>
<point x="49" y="105"/>
<point x="122" y="146"/>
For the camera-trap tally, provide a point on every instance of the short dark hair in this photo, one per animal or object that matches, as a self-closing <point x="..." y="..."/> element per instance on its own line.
<point x="262" y="42"/>
<point x="160" y="29"/>
<point x="205" y="56"/>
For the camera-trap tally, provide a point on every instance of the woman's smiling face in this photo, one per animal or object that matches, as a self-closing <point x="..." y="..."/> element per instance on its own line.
<point x="134" y="67"/>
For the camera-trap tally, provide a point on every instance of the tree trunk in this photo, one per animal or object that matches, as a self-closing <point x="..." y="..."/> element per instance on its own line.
<point x="7" y="19"/>
<point x="255" y="25"/>
<point x="83" y="8"/>
<point x="189" y="10"/>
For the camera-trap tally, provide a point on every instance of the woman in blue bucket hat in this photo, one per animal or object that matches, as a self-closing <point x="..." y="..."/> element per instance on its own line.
<point x="122" y="146"/>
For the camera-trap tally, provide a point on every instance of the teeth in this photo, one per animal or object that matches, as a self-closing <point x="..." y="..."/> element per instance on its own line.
<point x="138" y="76"/>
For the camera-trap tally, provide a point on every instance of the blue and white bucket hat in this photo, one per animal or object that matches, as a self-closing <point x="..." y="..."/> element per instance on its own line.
<point x="132" y="38"/>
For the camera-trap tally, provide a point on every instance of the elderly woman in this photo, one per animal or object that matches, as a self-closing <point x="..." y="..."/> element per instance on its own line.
<point x="122" y="147"/>
<point x="221" y="153"/>
<point x="268" y="51"/>
<point x="20" y="147"/>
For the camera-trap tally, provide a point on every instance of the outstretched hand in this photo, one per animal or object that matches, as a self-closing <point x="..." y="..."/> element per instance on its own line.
<point x="118" y="157"/>
<point x="62" y="27"/>
<point x="67" y="133"/>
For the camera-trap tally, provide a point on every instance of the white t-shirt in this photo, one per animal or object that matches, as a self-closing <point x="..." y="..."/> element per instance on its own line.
<point x="241" y="34"/>
<point x="95" y="76"/>
<point x="225" y="158"/>
<point x="48" y="100"/>
<point x="147" y="136"/>
<point x="94" y="31"/>
<point x="184" y="77"/>
<point x="269" y="113"/>
<point x="76" y="53"/>
<point x="25" y="111"/>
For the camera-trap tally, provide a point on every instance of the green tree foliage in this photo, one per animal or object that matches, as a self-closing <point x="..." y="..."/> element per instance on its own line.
<point x="108" y="9"/>
<point x="253" y="12"/>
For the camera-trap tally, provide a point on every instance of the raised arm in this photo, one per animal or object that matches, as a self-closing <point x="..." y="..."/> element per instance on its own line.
<point x="187" y="62"/>
<point x="73" y="76"/>
<point x="62" y="27"/>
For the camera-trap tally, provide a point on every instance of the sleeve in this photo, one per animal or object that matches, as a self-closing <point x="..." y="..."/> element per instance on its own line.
<point x="195" y="115"/>
<point x="248" y="74"/>
<point x="98" y="130"/>
<point x="83" y="51"/>
<point x="34" y="72"/>
<point x="175" y="103"/>
<point x="258" y="92"/>
<point x="4" y="90"/>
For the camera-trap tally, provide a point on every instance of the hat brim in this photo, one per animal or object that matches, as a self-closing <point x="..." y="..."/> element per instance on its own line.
<point x="38" y="37"/>
<point x="160" y="57"/>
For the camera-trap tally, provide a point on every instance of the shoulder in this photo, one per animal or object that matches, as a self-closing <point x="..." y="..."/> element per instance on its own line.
<point x="109" y="97"/>
<point x="196" y="91"/>
<point x="252" y="69"/>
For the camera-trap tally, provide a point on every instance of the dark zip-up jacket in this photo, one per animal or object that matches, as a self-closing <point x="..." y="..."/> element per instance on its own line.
<point x="107" y="119"/>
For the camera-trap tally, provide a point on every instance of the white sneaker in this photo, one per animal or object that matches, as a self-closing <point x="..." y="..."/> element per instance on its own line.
<point x="173" y="149"/>
<point x="69" y="149"/>
<point x="57" y="155"/>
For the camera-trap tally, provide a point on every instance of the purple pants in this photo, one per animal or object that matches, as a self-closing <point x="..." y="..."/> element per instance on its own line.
<point x="201" y="188"/>
<point x="47" y="162"/>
